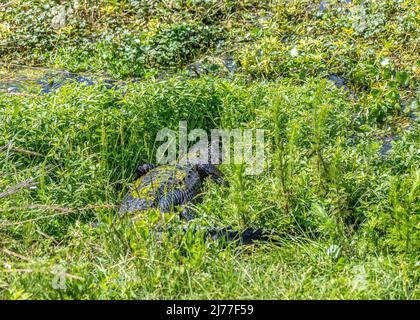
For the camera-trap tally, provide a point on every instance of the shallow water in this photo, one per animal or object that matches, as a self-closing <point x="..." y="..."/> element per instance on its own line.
<point x="22" y="79"/>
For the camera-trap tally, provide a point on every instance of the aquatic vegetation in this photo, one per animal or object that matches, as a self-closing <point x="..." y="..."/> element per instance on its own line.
<point x="84" y="91"/>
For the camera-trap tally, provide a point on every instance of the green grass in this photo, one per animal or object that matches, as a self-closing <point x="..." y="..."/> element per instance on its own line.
<point x="347" y="216"/>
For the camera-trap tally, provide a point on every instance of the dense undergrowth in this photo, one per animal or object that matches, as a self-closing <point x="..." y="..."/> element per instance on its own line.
<point x="334" y="84"/>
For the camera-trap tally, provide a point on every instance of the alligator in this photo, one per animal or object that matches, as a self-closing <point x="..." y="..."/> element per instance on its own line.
<point x="174" y="187"/>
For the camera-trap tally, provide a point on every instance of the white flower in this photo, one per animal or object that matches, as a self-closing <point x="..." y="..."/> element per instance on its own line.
<point x="7" y="266"/>
<point x="385" y="62"/>
<point x="294" y="52"/>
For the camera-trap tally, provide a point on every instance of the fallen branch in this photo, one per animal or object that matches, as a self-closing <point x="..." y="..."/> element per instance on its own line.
<point x="11" y="253"/>
<point x="21" y="185"/>
<point x="21" y="150"/>
<point x="29" y="183"/>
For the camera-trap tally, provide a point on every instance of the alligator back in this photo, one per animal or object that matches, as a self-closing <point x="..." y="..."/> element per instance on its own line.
<point x="163" y="187"/>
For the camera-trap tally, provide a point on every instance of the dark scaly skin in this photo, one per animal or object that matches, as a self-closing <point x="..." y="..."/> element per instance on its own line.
<point x="167" y="187"/>
<point x="171" y="188"/>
